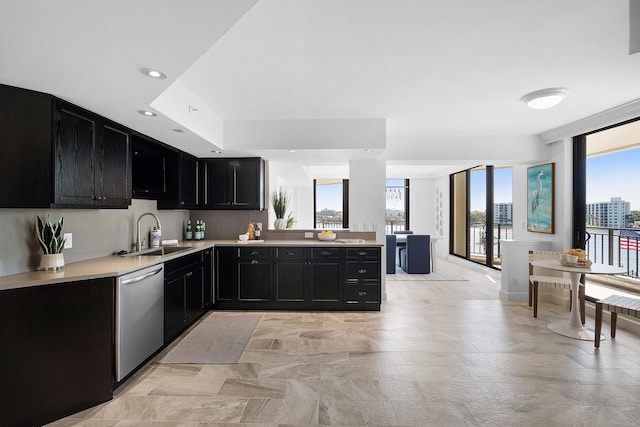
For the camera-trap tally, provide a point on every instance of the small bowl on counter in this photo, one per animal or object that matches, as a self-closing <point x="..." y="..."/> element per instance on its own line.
<point x="326" y="236"/>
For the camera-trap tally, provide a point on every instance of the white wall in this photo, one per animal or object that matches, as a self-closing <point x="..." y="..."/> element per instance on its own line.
<point x="422" y="202"/>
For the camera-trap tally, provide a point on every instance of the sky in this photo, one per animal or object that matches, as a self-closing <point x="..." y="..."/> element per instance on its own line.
<point x="614" y="175"/>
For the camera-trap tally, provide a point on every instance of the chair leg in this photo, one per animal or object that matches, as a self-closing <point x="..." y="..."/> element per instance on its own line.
<point x="570" y="299"/>
<point x="614" y="322"/>
<point x="581" y="302"/>
<point x="535" y="299"/>
<point x="530" y="294"/>
<point x="598" y="324"/>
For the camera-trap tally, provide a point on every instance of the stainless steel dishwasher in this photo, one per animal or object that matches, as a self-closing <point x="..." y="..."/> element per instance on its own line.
<point x="139" y="317"/>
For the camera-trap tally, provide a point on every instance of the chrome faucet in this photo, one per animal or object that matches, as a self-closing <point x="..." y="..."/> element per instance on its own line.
<point x="139" y="242"/>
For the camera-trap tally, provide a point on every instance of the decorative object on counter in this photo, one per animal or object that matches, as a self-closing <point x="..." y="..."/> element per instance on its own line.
<point x="251" y="232"/>
<point x="289" y="221"/>
<point x="326" y="235"/>
<point x="51" y="241"/>
<point x="188" y="234"/>
<point x="280" y="202"/>
<point x="243" y="237"/>
<point x="258" y="228"/>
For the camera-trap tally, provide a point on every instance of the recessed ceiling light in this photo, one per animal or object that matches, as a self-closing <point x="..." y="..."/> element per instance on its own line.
<point x="292" y="151"/>
<point x="368" y="150"/>
<point x="178" y="130"/>
<point x="545" y="98"/>
<point x="154" y="74"/>
<point x="217" y="152"/>
<point x="147" y="113"/>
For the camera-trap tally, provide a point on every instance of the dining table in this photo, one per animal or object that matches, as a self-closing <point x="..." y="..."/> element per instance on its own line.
<point x="574" y="328"/>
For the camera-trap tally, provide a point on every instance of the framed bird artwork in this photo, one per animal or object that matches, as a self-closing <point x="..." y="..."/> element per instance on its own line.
<point x="540" y="185"/>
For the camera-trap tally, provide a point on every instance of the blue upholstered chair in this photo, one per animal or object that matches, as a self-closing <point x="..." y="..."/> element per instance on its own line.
<point x="401" y="245"/>
<point x="391" y="254"/>
<point x="416" y="256"/>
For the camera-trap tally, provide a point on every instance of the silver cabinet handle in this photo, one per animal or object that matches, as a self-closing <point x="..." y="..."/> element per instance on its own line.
<point x="254" y="261"/>
<point x="362" y="271"/>
<point x="362" y="253"/>
<point x="189" y="274"/>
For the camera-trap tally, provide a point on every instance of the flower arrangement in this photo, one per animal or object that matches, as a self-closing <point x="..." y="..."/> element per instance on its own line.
<point x="50" y="235"/>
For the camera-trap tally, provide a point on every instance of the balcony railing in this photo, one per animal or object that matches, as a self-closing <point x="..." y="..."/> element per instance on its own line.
<point x="477" y="237"/>
<point x="615" y="246"/>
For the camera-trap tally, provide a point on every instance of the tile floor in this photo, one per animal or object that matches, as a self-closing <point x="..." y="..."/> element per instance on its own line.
<point x="438" y="354"/>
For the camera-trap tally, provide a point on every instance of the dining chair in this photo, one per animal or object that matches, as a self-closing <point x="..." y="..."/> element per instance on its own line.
<point x="550" y="279"/>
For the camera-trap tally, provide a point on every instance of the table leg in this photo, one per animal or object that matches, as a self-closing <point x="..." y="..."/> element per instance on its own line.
<point x="433" y="256"/>
<point x="574" y="328"/>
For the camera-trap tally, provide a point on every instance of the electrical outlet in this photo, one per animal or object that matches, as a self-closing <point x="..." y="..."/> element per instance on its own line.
<point x="308" y="234"/>
<point x="68" y="243"/>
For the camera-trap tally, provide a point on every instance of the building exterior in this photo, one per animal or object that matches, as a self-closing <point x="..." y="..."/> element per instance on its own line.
<point x="613" y="214"/>
<point x="503" y="213"/>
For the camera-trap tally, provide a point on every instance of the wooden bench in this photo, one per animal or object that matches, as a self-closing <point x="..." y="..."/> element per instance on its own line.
<point x="615" y="304"/>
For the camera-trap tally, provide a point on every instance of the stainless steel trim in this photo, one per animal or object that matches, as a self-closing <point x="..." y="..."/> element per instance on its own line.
<point x="142" y="277"/>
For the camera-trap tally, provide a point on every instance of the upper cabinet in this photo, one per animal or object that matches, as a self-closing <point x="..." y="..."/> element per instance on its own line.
<point x="153" y="165"/>
<point x="55" y="154"/>
<point x="234" y="183"/>
<point x="92" y="160"/>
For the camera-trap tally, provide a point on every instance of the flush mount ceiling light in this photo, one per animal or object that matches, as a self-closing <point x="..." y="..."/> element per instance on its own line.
<point x="545" y="98"/>
<point x="154" y="74"/>
<point x="177" y="130"/>
<point x="147" y="113"/>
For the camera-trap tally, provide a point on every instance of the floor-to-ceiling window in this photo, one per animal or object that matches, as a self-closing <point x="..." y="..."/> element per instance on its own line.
<point x="481" y="213"/>
<point x="331" y="203"/>
<point x="606" y="200"/>
<point x="397" y="205"/>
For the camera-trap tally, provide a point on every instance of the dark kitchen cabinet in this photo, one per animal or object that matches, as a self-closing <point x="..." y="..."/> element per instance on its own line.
<point x="234" y="183"/>
<point x="154" y="166"/>
<point x="254" y="274"/>
<point x="185" y="280"/>
<point x="55" y="154"/>
<point x="362" y="276"/>
<point x="92" y="160"/>
<point x="184" y="183"/>
<point x="57" y="353"/>
<point x="291" y="278"/>
<point x="207" y="259"/>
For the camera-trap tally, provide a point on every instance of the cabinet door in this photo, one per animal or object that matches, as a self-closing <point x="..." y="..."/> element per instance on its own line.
<point x="225" y="264"/>
<point x="173" y="307"/>
<point x="290" y="281"/>
<point x="194" y="288"/>
<point x="208" y="277"/>
<point x="74" y="157"/>
<point x="326" y="280"/>
<point x="254" y="280"/>
<point x="189" y="185"/>
<point x="247" y="183"/>
<point x="218" y="184"/>
<point x="113" y="167"/>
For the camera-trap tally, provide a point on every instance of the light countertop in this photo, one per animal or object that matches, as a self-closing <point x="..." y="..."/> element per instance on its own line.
<point x="114" y="265"/>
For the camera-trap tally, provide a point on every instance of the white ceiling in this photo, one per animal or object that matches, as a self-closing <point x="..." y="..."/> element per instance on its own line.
<point x="433" y="72"/>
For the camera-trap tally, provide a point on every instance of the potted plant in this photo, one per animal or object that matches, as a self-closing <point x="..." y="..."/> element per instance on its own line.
<point x="51" y="241"/>
<point x="280" y="202"/>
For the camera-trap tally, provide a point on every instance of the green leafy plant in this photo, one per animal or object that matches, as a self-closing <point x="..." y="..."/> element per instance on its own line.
<point x="280" y="202"/>
<point x="50" y="235"/>
<point x="290" y="221"/>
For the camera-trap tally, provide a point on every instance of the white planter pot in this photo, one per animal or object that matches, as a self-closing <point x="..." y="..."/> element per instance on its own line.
<point x="51" y="261"/>
<point x="280" y="224"/>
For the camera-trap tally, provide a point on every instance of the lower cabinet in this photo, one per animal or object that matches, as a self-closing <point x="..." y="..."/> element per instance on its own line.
<point x="295" y="278"/>
<point x="184" y="293"/>
<point x="57" y="355"/>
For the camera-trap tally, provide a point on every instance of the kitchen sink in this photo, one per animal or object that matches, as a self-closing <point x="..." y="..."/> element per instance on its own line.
<point x="165" y="250"/>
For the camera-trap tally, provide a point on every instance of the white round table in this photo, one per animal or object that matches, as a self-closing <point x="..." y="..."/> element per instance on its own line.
<point x="574" y="328"/>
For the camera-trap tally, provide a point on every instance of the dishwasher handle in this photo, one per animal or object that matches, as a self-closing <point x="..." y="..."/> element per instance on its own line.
<point x="136" y="279"/>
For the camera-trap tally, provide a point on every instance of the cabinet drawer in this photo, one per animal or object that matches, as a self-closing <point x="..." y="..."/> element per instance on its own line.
<point x="363" y="271"/>
<point x="325" y="253"/>
<point x="290" y="253"/>
<point x="363" y="253"/>
<point x="254" y="252"/>
<point x="355" y="294"/>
